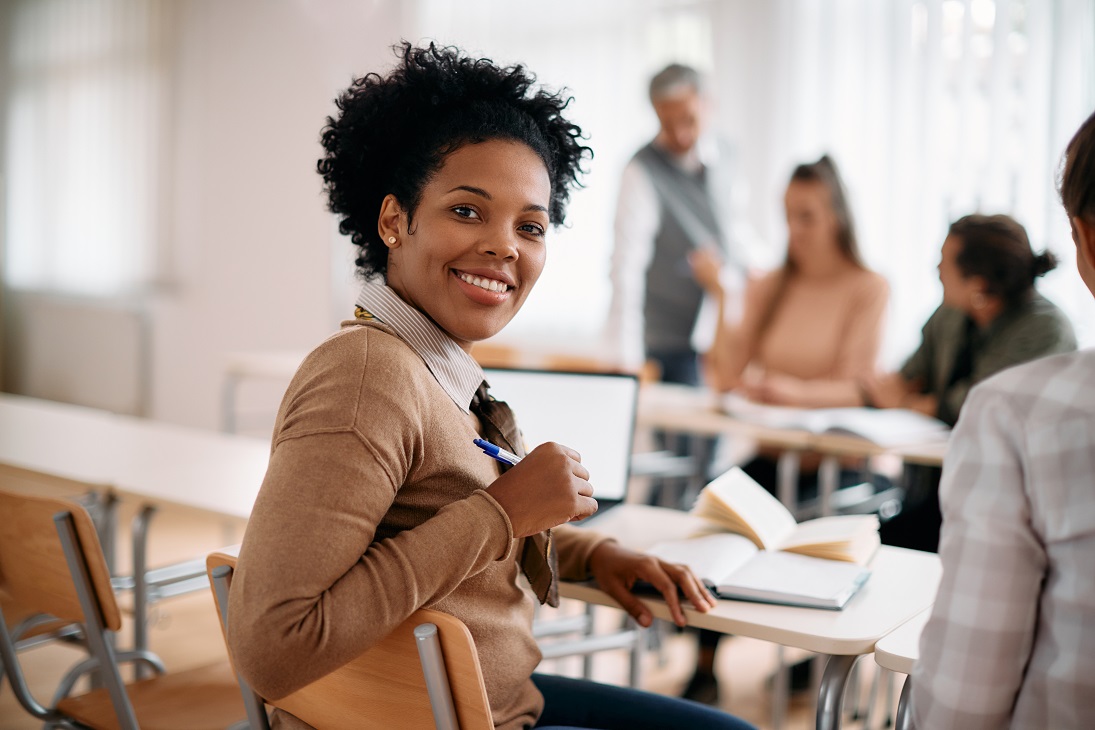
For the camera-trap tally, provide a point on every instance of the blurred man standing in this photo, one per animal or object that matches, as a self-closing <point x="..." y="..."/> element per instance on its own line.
<point x="678" y="194"/>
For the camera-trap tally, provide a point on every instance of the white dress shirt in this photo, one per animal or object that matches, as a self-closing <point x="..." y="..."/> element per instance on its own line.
<point x="638" y="219"/>
<point x="1011" y="639"/>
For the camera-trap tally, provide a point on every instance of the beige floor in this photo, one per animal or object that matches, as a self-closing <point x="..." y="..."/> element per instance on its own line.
<point x="186" y="634"/>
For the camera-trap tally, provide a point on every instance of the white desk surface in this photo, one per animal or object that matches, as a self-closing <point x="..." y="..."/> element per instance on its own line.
<point x="902" y="585"/>
<point x="900" y="649"/>
<point x="693" y="410"/>
<point x="148" y="459"/>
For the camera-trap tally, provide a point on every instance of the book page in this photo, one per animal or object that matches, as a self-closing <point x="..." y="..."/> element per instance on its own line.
<point x="801" y="419"/>
<point x="710" y="556"/>
<point x="849" y="538"/>
<point x="777" y="577"/>
<point x="743" y="506"/>
<point x="885" y="426"/>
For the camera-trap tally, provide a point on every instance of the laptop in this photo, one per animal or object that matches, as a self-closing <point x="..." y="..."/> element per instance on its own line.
<point x="592" y="413"/>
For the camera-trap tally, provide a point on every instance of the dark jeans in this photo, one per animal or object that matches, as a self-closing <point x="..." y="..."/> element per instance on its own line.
<point x="578" y="704"/>
<point x="678" y="366"/>
<point x="918" y="523"/>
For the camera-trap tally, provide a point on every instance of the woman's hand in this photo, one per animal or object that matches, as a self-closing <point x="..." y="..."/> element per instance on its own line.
<point x="617" y="569"/>
<point x="777" y="389"/>
<point x="545" y="489"/>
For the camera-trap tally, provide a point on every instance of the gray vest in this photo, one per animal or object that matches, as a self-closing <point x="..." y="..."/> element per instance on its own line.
<point x="687" y="222"/>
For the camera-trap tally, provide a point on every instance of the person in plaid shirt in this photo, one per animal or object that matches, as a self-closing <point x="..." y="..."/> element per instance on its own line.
<point x="1011" y="639"/>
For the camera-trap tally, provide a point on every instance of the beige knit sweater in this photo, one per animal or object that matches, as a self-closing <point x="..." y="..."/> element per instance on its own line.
<point x="374" y="506"/>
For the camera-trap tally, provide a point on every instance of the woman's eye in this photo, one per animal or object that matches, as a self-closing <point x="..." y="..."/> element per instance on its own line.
<point x="465" y="212"/>
<point x="534" y="228"/>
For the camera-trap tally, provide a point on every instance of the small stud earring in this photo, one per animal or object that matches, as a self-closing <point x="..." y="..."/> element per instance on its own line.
<point x="391" y="240"/>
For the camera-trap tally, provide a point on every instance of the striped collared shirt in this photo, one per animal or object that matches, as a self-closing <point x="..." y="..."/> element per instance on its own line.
<point x="455" y="370"/>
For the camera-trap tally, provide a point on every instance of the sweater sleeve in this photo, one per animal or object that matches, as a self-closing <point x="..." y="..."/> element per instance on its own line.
<point x="574" y="545"/>
<point x="312" y="589"/>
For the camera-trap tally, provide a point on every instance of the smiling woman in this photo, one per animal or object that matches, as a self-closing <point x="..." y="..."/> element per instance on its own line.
<point x="477" y="244"/>
<point x="446" y="174"/>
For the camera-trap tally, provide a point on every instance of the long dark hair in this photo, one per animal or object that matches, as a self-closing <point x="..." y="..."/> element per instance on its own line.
<point x="1077" y="182"/>
<point x="823" y="171"/>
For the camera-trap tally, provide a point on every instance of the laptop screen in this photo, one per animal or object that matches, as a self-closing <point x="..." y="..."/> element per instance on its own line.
<point x="592" y="413"/>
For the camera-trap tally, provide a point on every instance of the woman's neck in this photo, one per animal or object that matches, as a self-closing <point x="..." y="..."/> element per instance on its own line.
<point x="821" y="270"/>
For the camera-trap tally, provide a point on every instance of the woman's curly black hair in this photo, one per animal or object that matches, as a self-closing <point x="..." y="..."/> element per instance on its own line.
<point x="394" y="132"/>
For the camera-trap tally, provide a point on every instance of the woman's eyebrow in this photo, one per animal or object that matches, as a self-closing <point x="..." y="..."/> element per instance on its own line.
<point x="473" y="190"/>
<point x="484" y="194"/>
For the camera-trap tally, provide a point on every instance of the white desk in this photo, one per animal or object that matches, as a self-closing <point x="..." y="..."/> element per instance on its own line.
<point x="898" y="652"/>
<point x="903" y="583"/>
<point x="146" y="459"/>
<point x="693" y="410"/>
<point x="152" y="461"/>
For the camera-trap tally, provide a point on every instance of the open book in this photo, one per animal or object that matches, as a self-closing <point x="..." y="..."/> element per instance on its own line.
<point x="768" y="556"/>
<point x="732" y="567"/>
<point x="886" y="427"/>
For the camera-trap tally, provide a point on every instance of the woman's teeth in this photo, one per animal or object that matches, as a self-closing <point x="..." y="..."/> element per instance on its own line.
<point x="488" y="284"/>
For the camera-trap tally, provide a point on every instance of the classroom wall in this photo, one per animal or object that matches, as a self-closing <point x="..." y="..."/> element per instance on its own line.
<point x="251" y="246"/>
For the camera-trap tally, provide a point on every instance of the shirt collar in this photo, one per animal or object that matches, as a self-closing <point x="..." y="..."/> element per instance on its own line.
<point x="705" y="153"/>
<point x="457" y="372"/>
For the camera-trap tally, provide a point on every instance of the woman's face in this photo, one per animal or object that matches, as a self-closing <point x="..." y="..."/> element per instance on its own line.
<point x="812" y="225"/>
<point x="477" y="243"/>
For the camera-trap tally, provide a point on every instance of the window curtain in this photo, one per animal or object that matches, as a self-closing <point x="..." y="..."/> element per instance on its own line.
<point x="933" y="109"/>
<point x="84" y="124"/>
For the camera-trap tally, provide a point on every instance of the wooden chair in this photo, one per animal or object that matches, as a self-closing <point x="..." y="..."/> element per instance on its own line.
<point x="438" y="685"/>
<point x="52" y="563"/>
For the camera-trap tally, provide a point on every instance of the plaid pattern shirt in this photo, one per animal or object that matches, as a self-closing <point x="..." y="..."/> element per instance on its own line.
<point x="1011" y="639"/>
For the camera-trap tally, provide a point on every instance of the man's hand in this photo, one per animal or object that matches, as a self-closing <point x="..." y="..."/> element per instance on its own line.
<point x="617" y="569"/>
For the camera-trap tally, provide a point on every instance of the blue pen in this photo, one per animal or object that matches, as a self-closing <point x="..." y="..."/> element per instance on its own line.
<point x="497" y="452"/>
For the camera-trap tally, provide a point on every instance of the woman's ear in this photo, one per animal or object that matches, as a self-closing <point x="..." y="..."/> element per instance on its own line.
<point x="389" y="224"/>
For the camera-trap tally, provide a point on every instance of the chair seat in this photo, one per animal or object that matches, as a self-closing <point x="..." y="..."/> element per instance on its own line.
<point x="205" y="698"/>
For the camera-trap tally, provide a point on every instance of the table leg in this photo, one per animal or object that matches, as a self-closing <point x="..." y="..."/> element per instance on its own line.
<point x="830" y="698"/>
<point x="904" y="716"/>
<point x="828" y="475"/>
<point x="228" y="403"/>
<point x="781" y="690"/>
<point x="787" y="479"/>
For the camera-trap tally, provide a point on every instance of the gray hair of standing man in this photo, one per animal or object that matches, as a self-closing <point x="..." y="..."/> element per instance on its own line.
<point x="672" y="79"/>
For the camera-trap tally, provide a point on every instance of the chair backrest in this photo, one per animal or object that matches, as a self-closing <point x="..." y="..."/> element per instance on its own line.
<point x="51" y="562"/>
<point x="386" y="681"/>
<point x="34" y="571"/>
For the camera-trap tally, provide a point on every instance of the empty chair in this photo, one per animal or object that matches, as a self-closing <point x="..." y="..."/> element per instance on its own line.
<point x="424" y="675"/>
<point x="51" y="563"/>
